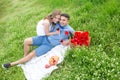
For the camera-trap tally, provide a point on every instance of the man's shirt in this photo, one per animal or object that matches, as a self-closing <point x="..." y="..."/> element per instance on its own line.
<point x="64" y="34"/>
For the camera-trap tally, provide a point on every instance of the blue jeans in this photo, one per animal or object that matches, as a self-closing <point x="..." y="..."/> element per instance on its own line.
<point x="43" y="43"/>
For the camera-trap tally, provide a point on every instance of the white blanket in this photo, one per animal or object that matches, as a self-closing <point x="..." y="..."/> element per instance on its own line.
<point x="35" y="68"/>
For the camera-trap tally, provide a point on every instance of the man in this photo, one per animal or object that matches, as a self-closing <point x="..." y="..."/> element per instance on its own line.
<point x="46" y="43"/>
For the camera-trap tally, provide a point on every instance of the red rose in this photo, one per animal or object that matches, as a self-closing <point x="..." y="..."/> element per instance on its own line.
<point x="58" y="29"/>
<point x="81" y="38"/>
<point x="66" y="32"/>
<point x="61" y="40"/>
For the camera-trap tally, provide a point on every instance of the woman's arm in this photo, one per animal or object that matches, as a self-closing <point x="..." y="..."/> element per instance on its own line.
<point x="46" y="29"/>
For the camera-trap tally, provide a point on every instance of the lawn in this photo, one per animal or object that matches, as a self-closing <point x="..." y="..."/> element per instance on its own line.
<point x="99" y="61"/>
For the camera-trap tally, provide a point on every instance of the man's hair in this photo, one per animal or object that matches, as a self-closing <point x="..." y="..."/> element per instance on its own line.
<point x="66" y="15"/>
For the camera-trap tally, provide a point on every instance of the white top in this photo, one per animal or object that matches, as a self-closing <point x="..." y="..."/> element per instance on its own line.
<point x="40" y="27"/>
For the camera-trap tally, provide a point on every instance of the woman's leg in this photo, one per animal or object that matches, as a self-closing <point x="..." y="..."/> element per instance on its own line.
<point x="27" y="43"/>
<point x="24" y="59"/>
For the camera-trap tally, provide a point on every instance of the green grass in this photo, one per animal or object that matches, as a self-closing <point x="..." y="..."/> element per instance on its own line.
<point x="99" y="61"/>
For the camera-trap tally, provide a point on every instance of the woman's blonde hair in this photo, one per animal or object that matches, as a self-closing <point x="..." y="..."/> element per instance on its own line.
<point x="53" y="15"/>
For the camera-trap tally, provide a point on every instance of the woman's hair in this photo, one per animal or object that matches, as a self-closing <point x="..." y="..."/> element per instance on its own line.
<point x="53" y="15"/>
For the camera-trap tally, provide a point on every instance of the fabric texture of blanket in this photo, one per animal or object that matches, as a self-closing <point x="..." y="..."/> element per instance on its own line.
<point x="35" y="68"/>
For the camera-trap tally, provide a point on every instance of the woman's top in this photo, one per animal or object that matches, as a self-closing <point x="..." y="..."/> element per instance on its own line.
<point x="40" y="27"/>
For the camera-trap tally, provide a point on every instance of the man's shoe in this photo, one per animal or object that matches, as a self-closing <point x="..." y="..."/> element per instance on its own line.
<point x="6" y="65"/>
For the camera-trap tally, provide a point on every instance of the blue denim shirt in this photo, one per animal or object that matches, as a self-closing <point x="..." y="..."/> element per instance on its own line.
<point x="55" y="39"/>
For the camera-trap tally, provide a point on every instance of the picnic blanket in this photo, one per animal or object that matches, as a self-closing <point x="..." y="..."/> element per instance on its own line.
<point x="35" y="69"/>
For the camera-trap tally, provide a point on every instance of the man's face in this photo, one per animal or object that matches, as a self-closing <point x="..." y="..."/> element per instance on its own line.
<point x="63" y="21"/>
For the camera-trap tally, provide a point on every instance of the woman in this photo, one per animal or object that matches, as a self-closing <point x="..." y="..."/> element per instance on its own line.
<point x="43" y="28"/>
<point x="44" y="25"/>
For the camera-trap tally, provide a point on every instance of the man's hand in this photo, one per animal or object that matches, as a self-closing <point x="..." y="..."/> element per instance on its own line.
<point x="65" y="43"/>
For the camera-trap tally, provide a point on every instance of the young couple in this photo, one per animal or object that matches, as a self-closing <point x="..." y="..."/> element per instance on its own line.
<point x="52" y="31"/>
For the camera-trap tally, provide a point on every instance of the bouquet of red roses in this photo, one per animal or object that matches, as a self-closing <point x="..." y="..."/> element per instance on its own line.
<point x="80" y="38"/>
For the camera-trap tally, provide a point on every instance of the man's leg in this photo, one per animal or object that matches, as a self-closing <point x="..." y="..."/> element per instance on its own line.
<point x="43" y="49"/>
<point x="34" y="41"/>
<point x="27" y="43"/>
<point x="24" y="59"/>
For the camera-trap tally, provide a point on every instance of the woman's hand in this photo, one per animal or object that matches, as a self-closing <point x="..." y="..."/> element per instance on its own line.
<point x="57" y="32"/>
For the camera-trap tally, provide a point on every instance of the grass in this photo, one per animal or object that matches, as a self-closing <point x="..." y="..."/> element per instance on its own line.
<point x="99" y="61"/>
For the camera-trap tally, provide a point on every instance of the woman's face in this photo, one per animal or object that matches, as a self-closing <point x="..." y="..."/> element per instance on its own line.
<point x="56" y="19"/>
